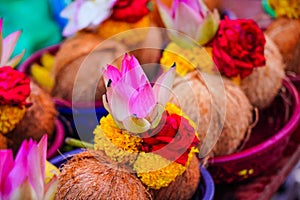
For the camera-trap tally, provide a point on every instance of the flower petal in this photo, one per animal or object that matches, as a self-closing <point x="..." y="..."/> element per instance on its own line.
<point x="15" y="60"/>
<point x="135" y="125"/>
<point x="111" y="73"/>
<point x="208" y="29"/>
<point x="6" y="164"/>
<point x="187" y="20"/>
<point x="165" y="14"/>
<point x="8" y="45"/>
<point x="132" y="72"/>
<point x="142" y="102"/>
<point x="86" y="14"/>
<point x="51" y="188"/>
<point x="119" y="100"/>
<point x="163" y="86"/>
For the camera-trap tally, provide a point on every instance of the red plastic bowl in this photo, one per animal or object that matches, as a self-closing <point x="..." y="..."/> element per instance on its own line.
<point x="267" y="142"/>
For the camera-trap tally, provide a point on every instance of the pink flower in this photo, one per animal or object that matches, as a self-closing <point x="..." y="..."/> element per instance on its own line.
<point x="7" y="46"/>
<point x="130" y="98"/>
<point x="23" y="178"/>
<point x="192" y="18"/>
<point x="86" y="14"/>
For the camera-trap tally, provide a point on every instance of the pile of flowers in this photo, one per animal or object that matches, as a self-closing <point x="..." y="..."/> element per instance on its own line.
<point x="236" y="47"/>
<point x="142" y="129"/>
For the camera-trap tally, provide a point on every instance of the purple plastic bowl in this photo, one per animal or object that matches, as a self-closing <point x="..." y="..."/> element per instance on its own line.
<point x="266" y="144"/>
<point x="205" y="191"/>
<point x="57" y="140"/>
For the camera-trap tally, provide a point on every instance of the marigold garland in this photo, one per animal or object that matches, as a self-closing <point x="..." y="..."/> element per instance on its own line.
<point x="187" y="60"/>
<point x="10" y="116"/>
<point x="286" y="8"/>
<point x="110" y="28"/>
<point x="117" y="144"/>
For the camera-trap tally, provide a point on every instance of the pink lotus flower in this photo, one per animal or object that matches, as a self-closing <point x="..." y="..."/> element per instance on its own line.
<point x="192" y="18"/>
<point x="7" y="46"/>
<point x="86" y="14"/>
<point x="23" y="178"/>
<point x="130" y="98"/>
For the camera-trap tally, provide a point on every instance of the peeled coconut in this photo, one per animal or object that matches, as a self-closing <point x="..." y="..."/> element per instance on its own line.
<point x="92" y="175"/>
<point x="263" y="84"/>
<point x="39" y="119"/>
<point x="221" y="111"/>
<point x="184" y="186"/>
<point x="78" y="65"/>
<point x="285" y="33"/>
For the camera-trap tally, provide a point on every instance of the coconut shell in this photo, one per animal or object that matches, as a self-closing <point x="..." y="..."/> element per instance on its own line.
<point x="229" y="115"/>
<point x="286" y="35"/>
<point x="91" y="175"/>
<point x="39" y="119"/>
<point x="263" y="84"/>
<point x="78" y="64"/>
<point x="3" y="142"/>
<point x="184" y="186"/>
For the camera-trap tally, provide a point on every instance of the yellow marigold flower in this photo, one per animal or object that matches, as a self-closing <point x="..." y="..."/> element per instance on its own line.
<point x="112" y="27"/>
<point x="187" y="60"/>
<point x="117" y="144"/>
<point x="156" y="171"/>
<point x="10" y="116"/>
<point x="286" y="8"/>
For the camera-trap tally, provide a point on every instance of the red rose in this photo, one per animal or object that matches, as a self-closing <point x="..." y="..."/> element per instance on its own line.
<point x="238" y="47"/>
<point x="14" y="87"/>
<point x="130" y="10"/>
<point x="172" y="139"/>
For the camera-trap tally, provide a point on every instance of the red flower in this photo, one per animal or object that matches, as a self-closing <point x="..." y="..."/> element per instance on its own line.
<point x="172" y="139"/>
<point x="238" y="47"/>
<point x="130" y="10"/>
<point x="14" y="87"/>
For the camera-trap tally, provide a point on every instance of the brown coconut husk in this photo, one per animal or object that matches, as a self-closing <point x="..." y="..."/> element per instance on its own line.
<point x="263" y="84"/>
<point x="92" y="175"/>
<point x="195" y="99"/>
<point x="39" y="119"/>
<point x="286" y="35"/>
<point x="90" y="53"/>
<point x="184" y="186"/>
<point x="3" y="142"/>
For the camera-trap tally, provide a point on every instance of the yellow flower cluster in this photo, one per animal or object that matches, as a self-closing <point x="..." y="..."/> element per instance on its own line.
<point x="286" y="8"/>
<point x="117" y="144"/>
<point x="129" y="37"/>
<point x="187" y="60"/>
<point x="10" y="116"/>
<point x="156" y="171"/>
